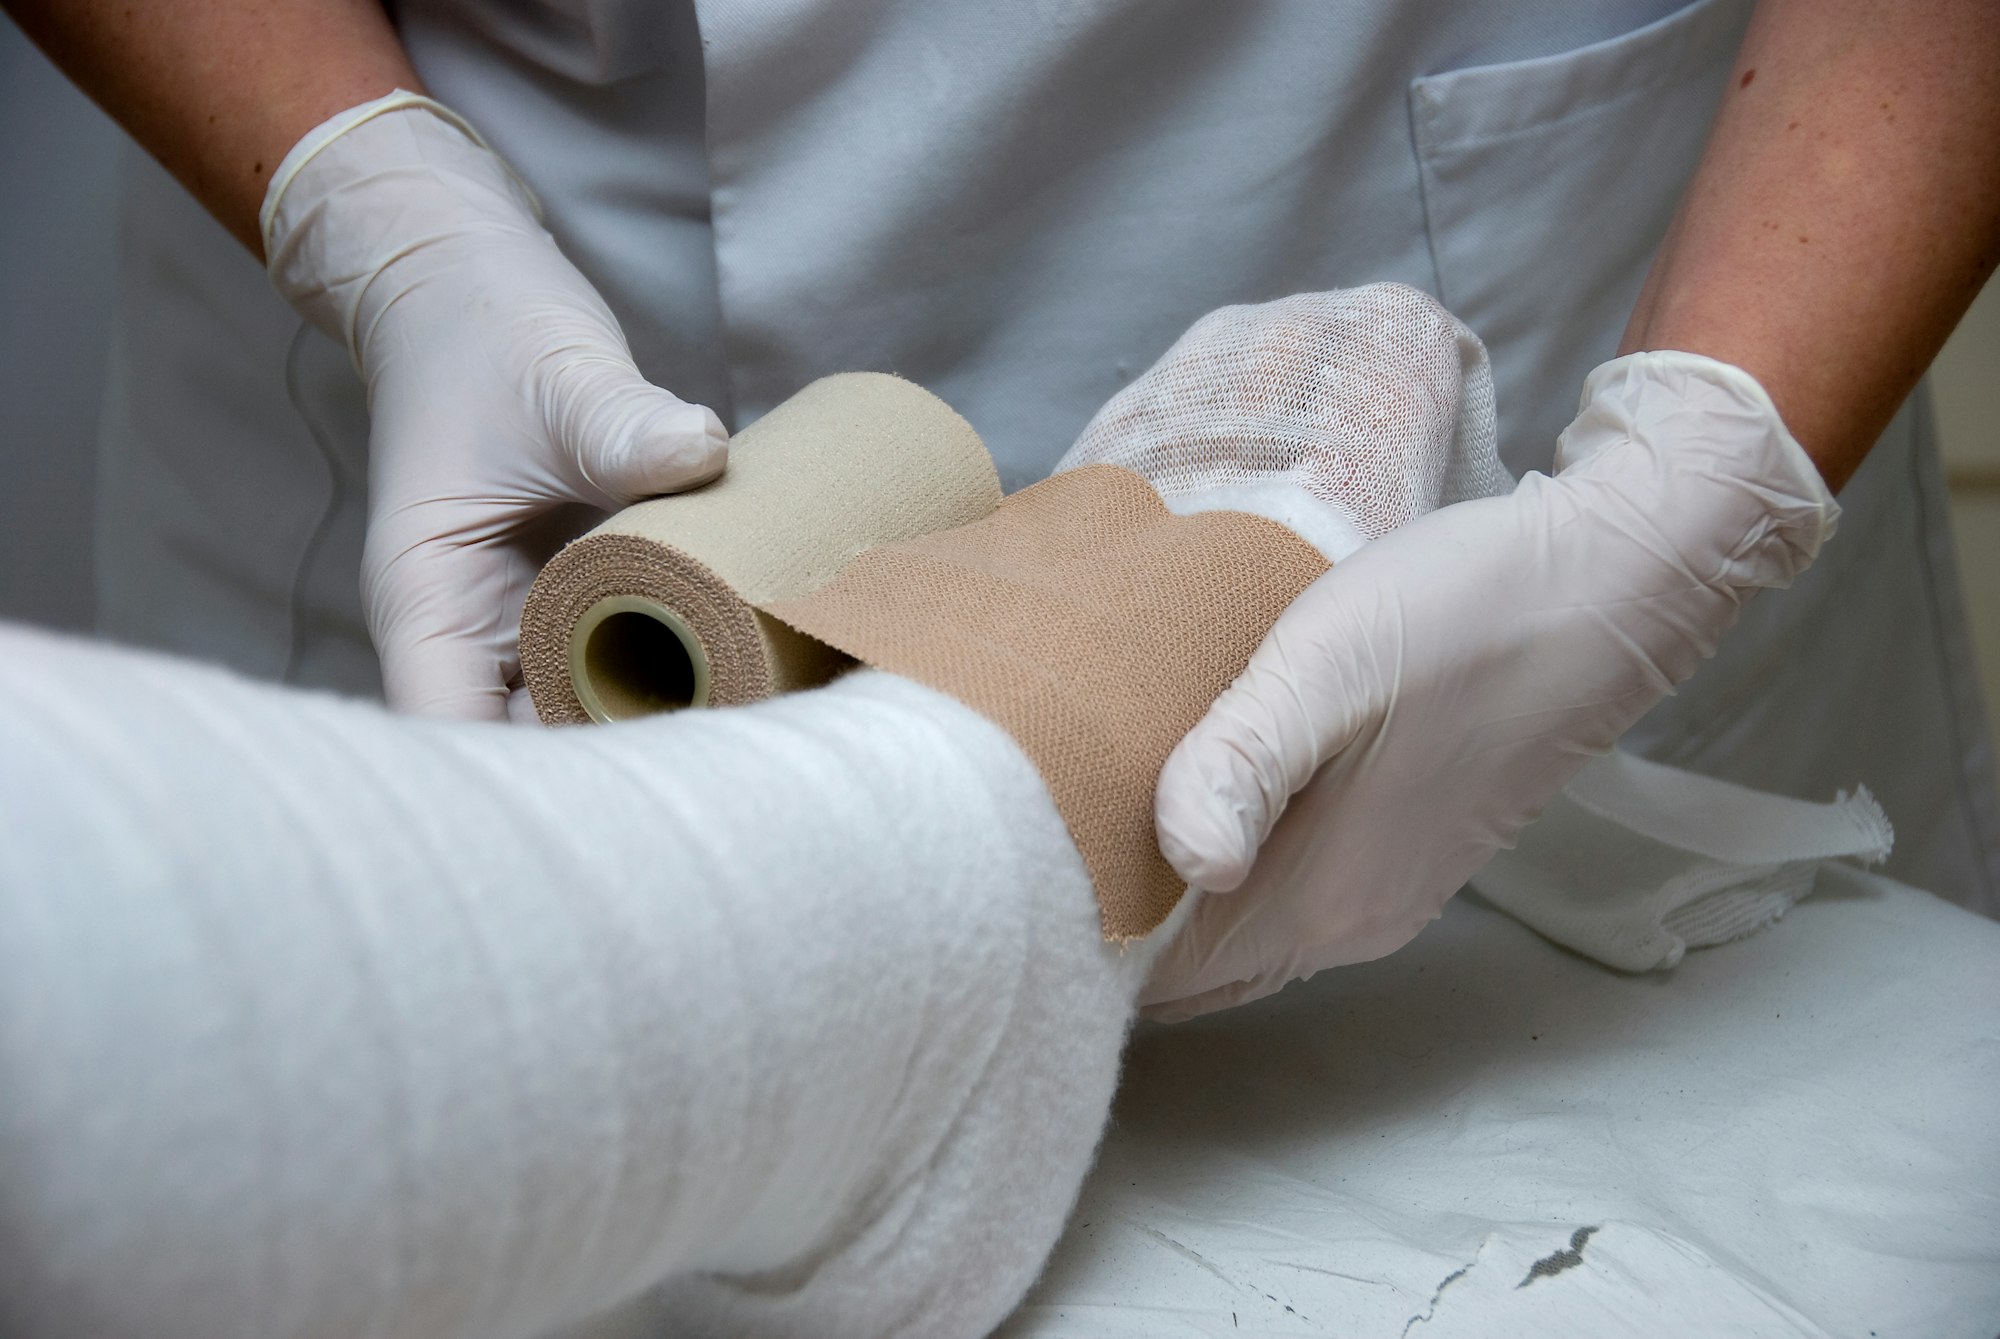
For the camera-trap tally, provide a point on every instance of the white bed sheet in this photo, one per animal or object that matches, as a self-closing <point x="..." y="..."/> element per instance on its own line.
<point x="1794" y="1134"/>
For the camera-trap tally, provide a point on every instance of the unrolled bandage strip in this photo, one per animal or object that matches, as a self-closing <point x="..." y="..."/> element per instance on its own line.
<point x="1091" y="624"/>
<point x="658" y="607"/>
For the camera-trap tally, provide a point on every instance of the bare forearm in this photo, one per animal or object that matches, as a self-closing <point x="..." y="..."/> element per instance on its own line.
<point x="1845" y="214"/>
<point x="219" y="90"/>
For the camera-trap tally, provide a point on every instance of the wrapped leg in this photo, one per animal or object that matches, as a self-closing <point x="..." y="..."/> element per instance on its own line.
<point x="315" y="1021"/>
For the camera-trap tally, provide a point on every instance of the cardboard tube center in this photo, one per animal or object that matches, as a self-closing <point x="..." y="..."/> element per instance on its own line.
<point x="632" y="657"/>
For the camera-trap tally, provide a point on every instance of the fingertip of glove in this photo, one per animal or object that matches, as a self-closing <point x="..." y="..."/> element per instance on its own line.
<point x="1189" y="1007"/>
<point x="521" y="708"/>
<point x="655" y="443"/>
<point x="432" y="683"/>
<point x="715" y="440"/>
<point x="1199" y="818"/>
<point x="1204" y="847"/>
<point x="1168" y="1011"/>
<point x="453" y="704"/>
<point x="681" y="446"/>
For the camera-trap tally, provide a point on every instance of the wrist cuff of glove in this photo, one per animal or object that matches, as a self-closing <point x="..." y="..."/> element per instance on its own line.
<point x="370" y="188"/>
<point x="314" y="141"/>
<point x="1689" y="402"/>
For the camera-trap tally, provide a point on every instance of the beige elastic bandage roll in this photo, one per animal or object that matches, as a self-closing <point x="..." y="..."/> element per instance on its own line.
<point x="657" y="608"/>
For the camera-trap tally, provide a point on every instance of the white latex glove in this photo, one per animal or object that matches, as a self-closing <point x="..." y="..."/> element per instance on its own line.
<point x="1425" y="698"/>
<point x="500" y="387"/>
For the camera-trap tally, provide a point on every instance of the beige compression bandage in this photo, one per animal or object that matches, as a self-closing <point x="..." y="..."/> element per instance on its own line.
<point x="657" y="608"/>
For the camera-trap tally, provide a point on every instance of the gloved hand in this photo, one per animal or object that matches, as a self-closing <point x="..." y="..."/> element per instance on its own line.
<point x="1426" y="697"/>
<point x="500" y="387"/>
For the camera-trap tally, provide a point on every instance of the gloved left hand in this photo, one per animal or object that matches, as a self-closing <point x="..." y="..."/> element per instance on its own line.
<point x="500" y="387"/>
<point x="1417" y="705"/>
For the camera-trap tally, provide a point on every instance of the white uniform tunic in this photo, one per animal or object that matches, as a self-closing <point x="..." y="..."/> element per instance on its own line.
<point x="1020" y="206"/>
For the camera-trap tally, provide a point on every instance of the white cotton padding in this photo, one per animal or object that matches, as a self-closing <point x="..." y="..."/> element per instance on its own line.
<point x="318" y="1021"/>
<point x="1333" y="532"/>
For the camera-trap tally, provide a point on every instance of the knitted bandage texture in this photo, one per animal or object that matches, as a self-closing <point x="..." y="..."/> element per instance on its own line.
<point x="1092" y="625"/>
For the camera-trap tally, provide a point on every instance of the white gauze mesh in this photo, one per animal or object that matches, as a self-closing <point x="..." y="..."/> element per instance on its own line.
<point x="1341" y="415"/>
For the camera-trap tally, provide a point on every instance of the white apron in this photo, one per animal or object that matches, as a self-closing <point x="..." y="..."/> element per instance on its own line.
<point x="1020" y="206"/>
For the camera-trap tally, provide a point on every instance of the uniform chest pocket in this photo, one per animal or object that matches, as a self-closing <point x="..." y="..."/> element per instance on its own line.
<point x="1548" y="185"/>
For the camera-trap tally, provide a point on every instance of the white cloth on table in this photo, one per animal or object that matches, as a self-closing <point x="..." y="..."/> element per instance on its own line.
<point x="1634" y="863"/>
<point x="314" y="1021"/>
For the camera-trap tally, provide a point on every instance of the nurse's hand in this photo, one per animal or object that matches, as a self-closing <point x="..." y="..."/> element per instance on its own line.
<point x="1417" y="705"/>
<point x="500" y="388"/>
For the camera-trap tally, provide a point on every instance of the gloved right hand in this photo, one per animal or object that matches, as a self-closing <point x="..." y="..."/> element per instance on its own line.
<point x="499" y="385"/>
<point x="1413" y="710"/>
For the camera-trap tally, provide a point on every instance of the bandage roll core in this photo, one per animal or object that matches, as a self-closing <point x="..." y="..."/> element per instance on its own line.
<point x="656" y="608"/>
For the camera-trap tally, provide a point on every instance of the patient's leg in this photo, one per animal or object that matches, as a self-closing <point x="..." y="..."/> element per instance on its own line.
<point x="316" y="1021"/>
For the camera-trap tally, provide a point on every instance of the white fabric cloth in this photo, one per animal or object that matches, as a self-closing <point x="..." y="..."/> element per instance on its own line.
<point x="1791" y="1134"/>
<point x="314" y="1021"/>
<point x="1633" y="863"/>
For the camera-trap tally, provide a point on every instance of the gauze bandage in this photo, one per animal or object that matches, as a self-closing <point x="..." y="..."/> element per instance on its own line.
<point x="1339" y="415"/>
<point x="1089" y="618"/>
